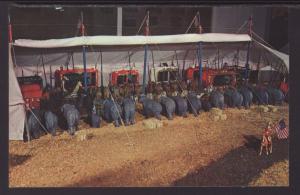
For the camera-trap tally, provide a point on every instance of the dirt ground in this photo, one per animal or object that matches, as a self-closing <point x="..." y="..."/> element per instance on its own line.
<point x="193" y="151"/>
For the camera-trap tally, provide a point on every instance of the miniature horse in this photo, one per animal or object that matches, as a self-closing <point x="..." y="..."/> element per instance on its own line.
<point x="266" y="140"/>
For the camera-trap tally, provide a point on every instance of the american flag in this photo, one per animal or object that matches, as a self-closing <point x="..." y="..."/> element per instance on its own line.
<point x="281" y="130"/>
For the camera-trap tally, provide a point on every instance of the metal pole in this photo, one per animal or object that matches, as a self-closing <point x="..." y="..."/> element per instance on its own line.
<point x="51" y="76"/>
<point x="218" y="59"/>
<point x="199" y="52"/>
<point x="145" y="70"/>
<point x="9" y="29"/>
<point x="84" y="55"/>
<point x="101" y="69"/>
<point x="44" y="68"/>
<point x="27" y="127"/>
<point x="145" y="55"/>
<point x="72" y="60"/>
<point x="247" y="62"/>
<point x="84" y="66"/>
<point x="153" y="65"/>
<point x="248" y="50"/>
<point x="238" y="57"/>
<point x="183" y="66"/>
<point x="119" y="21"/>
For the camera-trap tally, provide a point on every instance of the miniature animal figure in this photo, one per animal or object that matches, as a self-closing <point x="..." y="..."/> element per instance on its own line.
<point x="233" y="98"/>
<point x="168" y="106"/>
<point x="266" y="141"/>
<point x="151" y="107"/>
<point x="128" y="105"/>
<point x="260" y="95"/>
<point x="194" y="104"/>
<point x="217" y="99"/>
<point x="72" y="116"/>
<point x="247" y="96"/>
<point x="181" y="106"/>
<point x="276" y="96"/>
<point x="95" y="119"/>
<point x="112" y="111"/>
<point x="34" y="126"/>
<point x="51" y="122"/>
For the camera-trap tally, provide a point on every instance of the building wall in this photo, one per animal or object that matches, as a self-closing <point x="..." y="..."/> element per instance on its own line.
<point x="47" y="22"/>
<point x="230" y="18"/>
<point x="164" y="20"/>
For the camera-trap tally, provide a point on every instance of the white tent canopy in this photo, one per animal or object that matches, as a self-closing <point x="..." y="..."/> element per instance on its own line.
<point x="132" y="40"/>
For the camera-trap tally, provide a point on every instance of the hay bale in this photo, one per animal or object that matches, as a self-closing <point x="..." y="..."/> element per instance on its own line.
<point x="223" y="117"/>
<point x="152" y="123"/>
<point x="272" y="108"/>
<point x="215" y="118"/>
<point x="262" y="108"/>
<point x="82" y="136"/>
<point x="216" y="111"/>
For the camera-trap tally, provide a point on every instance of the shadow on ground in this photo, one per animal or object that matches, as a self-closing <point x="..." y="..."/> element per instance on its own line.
<point x="15" y="160"/>
<point x="238" y="167"/>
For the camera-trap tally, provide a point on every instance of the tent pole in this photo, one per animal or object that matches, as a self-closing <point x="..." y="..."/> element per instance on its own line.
<point x="258" y="64"/>
<point x="199" y="52"/>
<point x="248" y="50"/>
<point x="154" y="71"/>
<point x="247" y="62"/>
<point x="147" y="31"/>
<point x="177" y="62"/>
<point x="238" y="57"/>
<point x="218" y="58"/>
<point x="84" y="54"/>
<point x="145" y="69"/>
<point x="27" y="128"/>
<point x="84" y="67"/>
<point x="44" y="69"/>
<point x="183" y="67"/>
<point x="51" y="76"/>
<point x="101" y="69"/>
<point x="72" y="60"/>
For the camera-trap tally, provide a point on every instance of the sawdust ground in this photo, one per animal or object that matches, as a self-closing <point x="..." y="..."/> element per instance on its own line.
<point x="135" y="156"/>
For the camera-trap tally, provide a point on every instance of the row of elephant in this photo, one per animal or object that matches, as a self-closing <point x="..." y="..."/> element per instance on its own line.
<point x="124" y="108"/>
<point x="191" y="102"/>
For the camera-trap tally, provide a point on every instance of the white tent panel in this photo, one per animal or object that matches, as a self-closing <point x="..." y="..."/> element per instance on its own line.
<point x="16" y="122"/>
<point x="282" y="56"/>
<point x="16" y="105"/>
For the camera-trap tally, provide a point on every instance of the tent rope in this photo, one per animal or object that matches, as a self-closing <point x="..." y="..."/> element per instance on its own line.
<point x="246" y="21"/>
<point x="119" y="115"/>
<point x="179" y="84"/>
<point x="38" y="120"/>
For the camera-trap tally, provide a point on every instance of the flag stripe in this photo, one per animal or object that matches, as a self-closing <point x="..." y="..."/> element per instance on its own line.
<point x="282" y="133"/>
